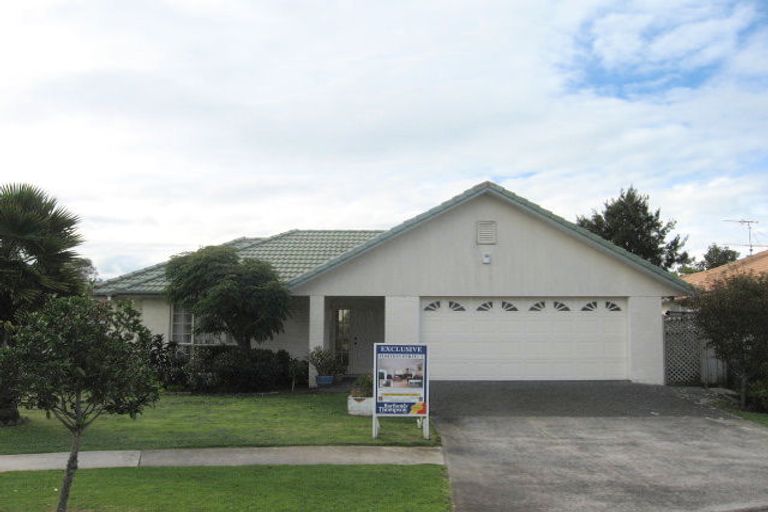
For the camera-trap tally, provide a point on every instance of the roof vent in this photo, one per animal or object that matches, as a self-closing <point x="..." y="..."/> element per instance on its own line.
<point x="486" y="232"/>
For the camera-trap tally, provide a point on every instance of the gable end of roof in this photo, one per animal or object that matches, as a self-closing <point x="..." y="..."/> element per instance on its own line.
<point x="533" y="209"/>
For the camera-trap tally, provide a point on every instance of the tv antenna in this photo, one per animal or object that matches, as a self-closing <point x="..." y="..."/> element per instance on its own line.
<point x="748" y="223"/>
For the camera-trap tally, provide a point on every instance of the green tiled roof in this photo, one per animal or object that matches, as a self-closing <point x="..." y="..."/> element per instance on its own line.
<point x="292" y="254"/>
<point x="299" y="256"/>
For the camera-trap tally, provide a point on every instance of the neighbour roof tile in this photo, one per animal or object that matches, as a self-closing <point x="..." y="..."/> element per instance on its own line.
<point x="757" y="263"/>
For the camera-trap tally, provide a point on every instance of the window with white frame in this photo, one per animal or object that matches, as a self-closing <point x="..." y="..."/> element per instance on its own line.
<point x="182" y="323"/>
<point x="183" y="331"/>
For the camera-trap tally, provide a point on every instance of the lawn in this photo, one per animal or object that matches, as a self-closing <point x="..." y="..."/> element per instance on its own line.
<point x="757" y="417"/>
<point x="274" y="488"/>
<point x="186" y="421"/>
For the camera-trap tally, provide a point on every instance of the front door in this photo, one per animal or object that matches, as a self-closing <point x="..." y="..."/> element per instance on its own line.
<point x="357" y="327"/>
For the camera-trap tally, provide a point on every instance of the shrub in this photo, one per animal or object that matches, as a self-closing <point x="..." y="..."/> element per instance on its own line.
<point x="167" y="362"/>
<point x="232" y="369"/>
<point x="298" y="371"/>
<point x="200" y="376"/>
<point x="758" y="394"/>
<point x="326" y="362"/>
<point x="363" y="386"/>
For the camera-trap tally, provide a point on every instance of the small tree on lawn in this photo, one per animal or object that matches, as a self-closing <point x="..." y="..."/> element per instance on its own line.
<point x="733" y="316"/>
<point x="242" y="298"/>
<point x="79" y="359"/>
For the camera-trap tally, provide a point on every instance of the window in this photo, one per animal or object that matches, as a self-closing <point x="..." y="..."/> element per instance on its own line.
<point x="508" y="306"/>
<point x="181" y="326"/>
<point x="433" y="306"/>
<point x="183" y="332"/>
<point x="455" y="306"/>
<point x="612" y="306"/>
<point x="559" y="306"/>
<point x="539" y="306"/>
<point x="485" y="306"/>
<point x="486" y="232"/>
<point x="590" y="306"/>
<point x="343" y="334"/>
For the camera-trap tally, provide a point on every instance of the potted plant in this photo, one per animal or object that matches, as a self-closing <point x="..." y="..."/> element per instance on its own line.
<point x="326" y="362"/>
<point x="360" y="401"/>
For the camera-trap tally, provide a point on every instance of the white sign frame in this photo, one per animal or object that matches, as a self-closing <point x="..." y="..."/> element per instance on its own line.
<point x="422" y="420"/>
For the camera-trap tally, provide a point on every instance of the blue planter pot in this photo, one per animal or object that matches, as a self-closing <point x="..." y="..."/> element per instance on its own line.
<point x="324" y="380"/>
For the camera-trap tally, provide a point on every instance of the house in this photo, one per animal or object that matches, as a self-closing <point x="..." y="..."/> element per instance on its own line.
<point x="498" y="287"/>
<point x="755" y="264"/>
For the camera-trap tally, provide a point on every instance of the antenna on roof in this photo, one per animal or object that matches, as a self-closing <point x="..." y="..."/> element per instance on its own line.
<point x="748" y="223"/>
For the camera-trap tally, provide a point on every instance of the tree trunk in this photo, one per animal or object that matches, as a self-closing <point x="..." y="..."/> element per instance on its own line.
<point x="743" y="392"/>
<point x="244" y="343"/>
<point x="69" y="476"/>
<point x="9" y="411"/>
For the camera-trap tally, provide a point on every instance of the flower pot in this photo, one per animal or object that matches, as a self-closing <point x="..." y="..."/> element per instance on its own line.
<point x="324" y="380"/>
<point x="360" y="406"/>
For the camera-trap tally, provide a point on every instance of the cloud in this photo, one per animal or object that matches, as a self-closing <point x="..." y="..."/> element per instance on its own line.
<point x="171" y="125"/>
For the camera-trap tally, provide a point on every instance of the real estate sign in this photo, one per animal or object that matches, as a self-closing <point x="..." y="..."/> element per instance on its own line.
<point x="400" y="380"/>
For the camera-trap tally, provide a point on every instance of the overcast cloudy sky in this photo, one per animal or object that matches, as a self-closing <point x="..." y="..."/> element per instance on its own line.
<point x="168" y="125"/>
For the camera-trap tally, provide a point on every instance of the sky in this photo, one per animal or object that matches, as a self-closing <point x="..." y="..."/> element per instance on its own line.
<point x="168" y="125"/>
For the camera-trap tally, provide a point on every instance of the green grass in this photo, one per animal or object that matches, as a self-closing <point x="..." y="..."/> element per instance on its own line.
<point x="185" y="421"/>
<point x="757" y="417"/>
<point x="422" y="488"/>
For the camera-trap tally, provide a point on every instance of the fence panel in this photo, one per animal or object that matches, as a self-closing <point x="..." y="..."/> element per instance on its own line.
<point x="687" y="359"/>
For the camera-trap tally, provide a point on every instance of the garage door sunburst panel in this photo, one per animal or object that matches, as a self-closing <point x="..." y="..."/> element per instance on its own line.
<point x="507" y="340"/>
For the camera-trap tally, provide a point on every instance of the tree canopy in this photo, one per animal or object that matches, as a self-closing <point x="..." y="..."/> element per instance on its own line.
<point x="79" y="359"/>
<point x="732" y="316"/>
<point x="37" y="242"/>
<point x="227" y="295"/>
<point x="717" y="256"/>
<point x="628" y="222"/>
<point x="37" y="260"/>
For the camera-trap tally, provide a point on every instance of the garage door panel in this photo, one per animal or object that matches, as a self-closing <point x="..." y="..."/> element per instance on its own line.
<point x="548" y="344"/>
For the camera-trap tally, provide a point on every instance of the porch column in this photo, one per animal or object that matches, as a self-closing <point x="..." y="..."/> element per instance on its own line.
<point x="401" y="320"/>
<point x="316" y="329"/>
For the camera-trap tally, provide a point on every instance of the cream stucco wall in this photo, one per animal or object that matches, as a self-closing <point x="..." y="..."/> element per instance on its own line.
<point x="645" y="329"/>
<point x="296" y="329"/>
<point x="440" y="257"/>
<point x="155" y="315"/>
<point x="401" y="320"/>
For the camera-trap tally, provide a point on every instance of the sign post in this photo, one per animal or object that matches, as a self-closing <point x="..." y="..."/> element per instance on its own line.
<point x="401" y="384"/>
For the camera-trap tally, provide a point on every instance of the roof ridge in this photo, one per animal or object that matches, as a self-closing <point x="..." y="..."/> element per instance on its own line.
<point x="471" y="193"/>
<point x="339" y="230"/>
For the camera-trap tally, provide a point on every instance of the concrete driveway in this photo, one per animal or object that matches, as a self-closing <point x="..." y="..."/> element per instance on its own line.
<point x="596" y="446"/>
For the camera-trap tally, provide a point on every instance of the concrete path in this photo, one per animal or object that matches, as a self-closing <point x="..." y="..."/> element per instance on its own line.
<point x="601" y="447"/>
<point x="293" y="455"/>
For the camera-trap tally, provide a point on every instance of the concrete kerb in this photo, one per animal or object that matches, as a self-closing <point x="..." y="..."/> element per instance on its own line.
<point x="288" y="455"/>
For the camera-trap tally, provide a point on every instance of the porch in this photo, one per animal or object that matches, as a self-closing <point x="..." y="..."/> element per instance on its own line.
<point x="351" y="325"/>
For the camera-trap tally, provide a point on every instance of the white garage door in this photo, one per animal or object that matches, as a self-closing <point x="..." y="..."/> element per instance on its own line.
<point x="525" y="338"/>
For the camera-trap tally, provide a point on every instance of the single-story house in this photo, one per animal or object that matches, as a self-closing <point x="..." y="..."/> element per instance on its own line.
<point x="497" y="287"/>
<point x="755" y="264"/>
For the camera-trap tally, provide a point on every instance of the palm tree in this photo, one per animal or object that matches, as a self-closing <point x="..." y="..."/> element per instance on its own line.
<point x="37" y="238"/>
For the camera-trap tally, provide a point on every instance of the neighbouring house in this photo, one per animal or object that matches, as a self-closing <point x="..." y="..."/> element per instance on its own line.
<point x="498" y="287"/>
<point x="755" y="264"/>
